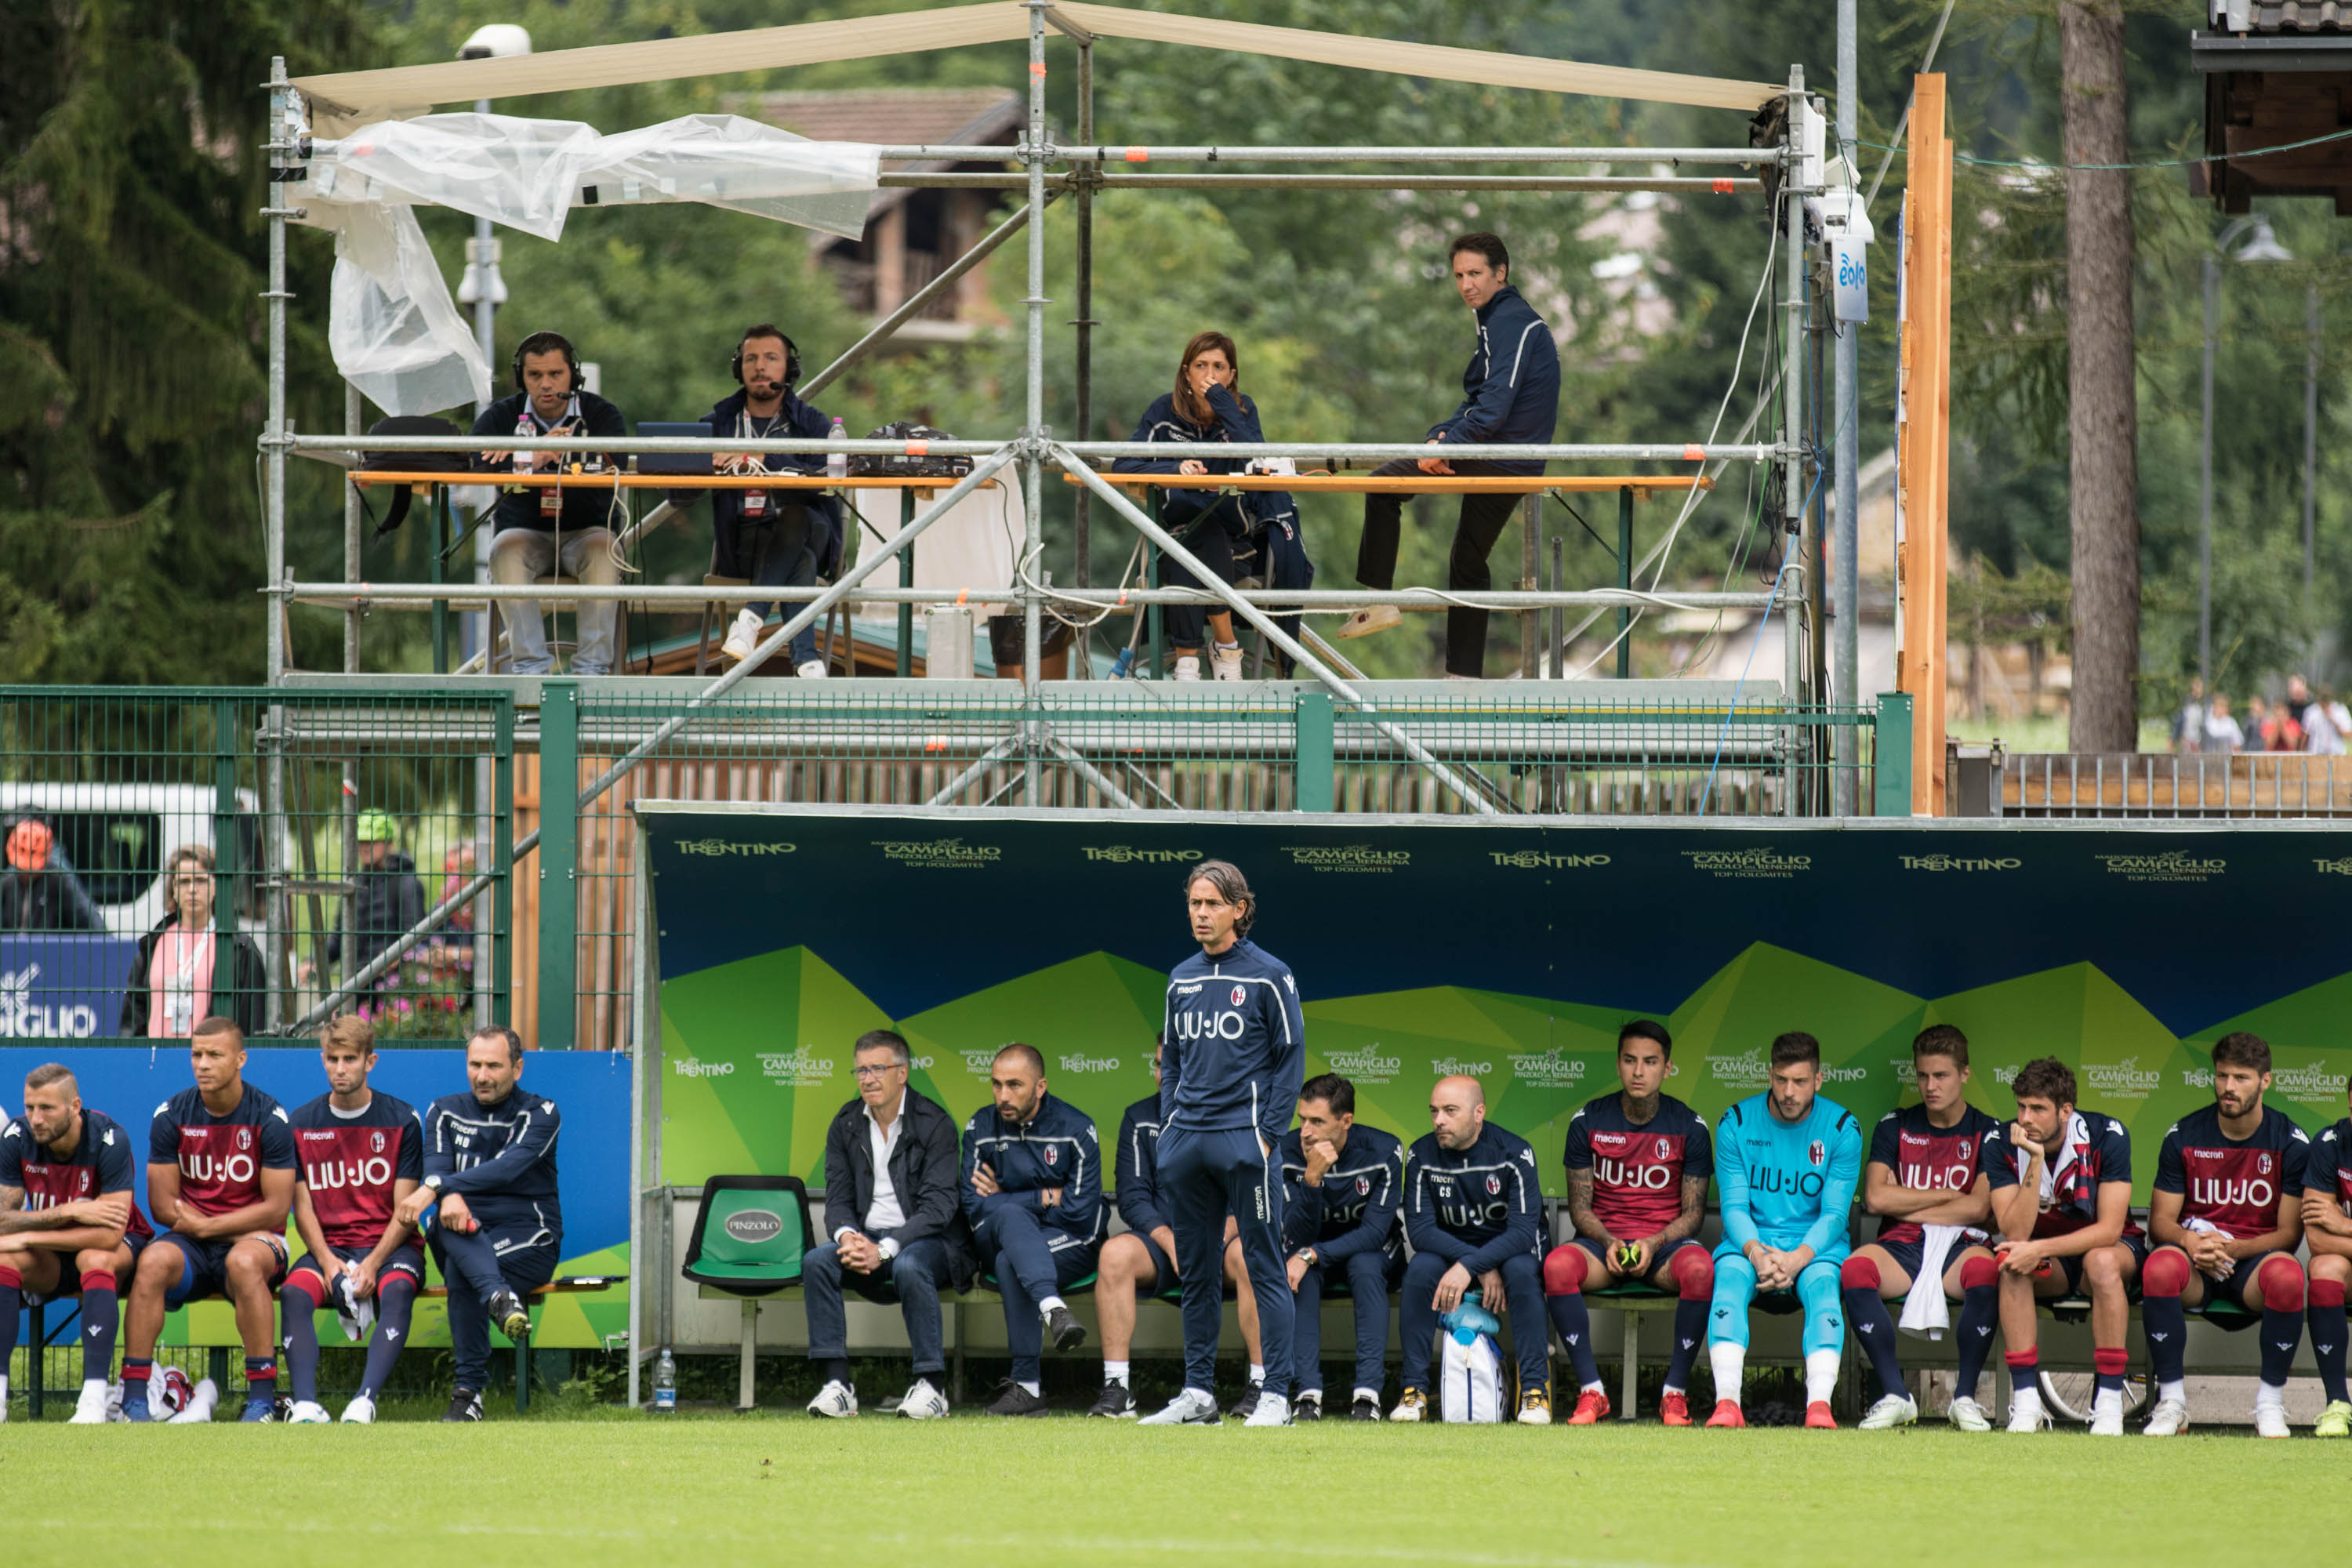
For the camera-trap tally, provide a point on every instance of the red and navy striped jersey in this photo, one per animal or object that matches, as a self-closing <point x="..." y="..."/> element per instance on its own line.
<point x="349" y="1165"/>
<point x="2104" y="1156"/>
<point x="1638" y="1170"/>
<point x="221" y="1158"/>
<point x="2232" y="1184"/>
<point x="1926" y="1157"/>
<point x="101" y="1163"/>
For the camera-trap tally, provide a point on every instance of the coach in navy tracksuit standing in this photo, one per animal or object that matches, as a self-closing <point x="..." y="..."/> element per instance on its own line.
<point x="489" y="1165"/>
<point x="1235" y="1051"/>
<point x="1475" y="1216"/>
<point x="1510" y="396"/>
<point x="1033" y="1191"/>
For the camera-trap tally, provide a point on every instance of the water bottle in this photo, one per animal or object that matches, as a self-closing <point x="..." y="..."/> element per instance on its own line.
<point x="665" y="1384"/>
<point x="837" y="464"/>
<point x="524" y="461"/>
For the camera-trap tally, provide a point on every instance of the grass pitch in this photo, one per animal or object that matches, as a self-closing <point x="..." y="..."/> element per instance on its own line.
<point x="703" y="1490"/>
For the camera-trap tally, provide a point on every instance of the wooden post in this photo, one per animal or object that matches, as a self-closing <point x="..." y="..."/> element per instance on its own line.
<point x="1924" y="439"/>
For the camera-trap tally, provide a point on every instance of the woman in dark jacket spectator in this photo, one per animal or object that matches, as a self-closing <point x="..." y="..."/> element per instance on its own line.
<point x="180" y="977"/>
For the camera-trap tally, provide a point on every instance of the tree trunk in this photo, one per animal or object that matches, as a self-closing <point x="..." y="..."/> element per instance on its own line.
<point x="2103" y="422"/>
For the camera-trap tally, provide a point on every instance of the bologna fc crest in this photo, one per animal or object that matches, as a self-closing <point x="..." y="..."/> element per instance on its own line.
<point x="1240" y="995"/>
<point x="245" y="1137"/>
<point x="1815" y="1153"/>
<point x="2262" y="1164"/>
<point x="1665" y="1149"/>
<point x="375" y="1142"/>
<point x="1494" y="1186"/>
<point x="1363" y="1187"/>
<point x="1051" y="1153"/>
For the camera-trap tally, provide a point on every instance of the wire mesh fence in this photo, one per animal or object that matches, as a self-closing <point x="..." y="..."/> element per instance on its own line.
<point x="174" y="855"/>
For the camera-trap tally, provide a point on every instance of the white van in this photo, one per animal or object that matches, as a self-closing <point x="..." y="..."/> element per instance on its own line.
<point x="116" y="836"/>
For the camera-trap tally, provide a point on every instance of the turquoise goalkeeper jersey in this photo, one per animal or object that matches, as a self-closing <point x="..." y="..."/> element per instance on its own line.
<point x="1787" y="1183"/>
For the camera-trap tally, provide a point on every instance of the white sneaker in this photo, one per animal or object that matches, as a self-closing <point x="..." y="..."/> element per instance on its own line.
<point x="811" y="670"/>
<point x="742" y="637"/>
<point x="89" y="1410"/>
<point x="1273" y="1410"/>
<point x="2270" y="1420"/>
<point x="2171" y="1419"/>
<point x="923" y="1403"/>
<point x="308" y="1413"/>
<point x="1371" y="618"/>
<point x="1411" y="1405"/>
<point x="2025" y="1413"/>
<point x="1968" y="1415"/>
<point x="1188" y="667"/>
<point x="1190" y="1408"/>
<point x="2107" y="1415"/>
<point x="1892" y="1410"/>
<point x="1226" y="661"/>
<point x="836" y="1401"/>
<point x="201" y="1404"/>
<point x="360" y="1412"/>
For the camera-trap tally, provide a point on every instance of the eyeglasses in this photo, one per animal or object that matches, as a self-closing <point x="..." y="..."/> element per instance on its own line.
<point x="867" y="1073"/>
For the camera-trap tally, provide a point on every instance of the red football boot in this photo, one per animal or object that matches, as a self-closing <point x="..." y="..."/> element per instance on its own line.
<point x="1674" y="1410"/>
<point x="1727" y="1414"/>
<point x="1591" y="1406"/>
<point x="1818" y="1417"/>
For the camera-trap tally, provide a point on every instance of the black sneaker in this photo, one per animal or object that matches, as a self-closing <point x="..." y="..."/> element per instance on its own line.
<point x="1012" y="1399"/>
<point x="1116" y="1403"/>
<point x="466" y="1405"/>
<point x="510" y="1315"/>
<point x="1242" y="1408"/>
<point x="1062" y="1327"/>
<point x="1365" y="1408"/>
<point x="1307" y="1408"/>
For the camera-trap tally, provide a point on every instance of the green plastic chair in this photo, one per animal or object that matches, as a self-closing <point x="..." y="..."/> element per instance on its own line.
<point x="750" y="1236"/>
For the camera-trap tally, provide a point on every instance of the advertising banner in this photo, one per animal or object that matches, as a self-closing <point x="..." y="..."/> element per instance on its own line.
<point x="63" y="987"/>
<point x="1425" y="946"/>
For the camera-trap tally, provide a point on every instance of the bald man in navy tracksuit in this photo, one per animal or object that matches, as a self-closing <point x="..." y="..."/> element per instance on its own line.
<point x="1235" y="1053"/>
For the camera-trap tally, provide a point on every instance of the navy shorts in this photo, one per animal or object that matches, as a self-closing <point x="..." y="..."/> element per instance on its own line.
<point x="408" y="1260"/>
<point x="1164" y="1281"/>
<point x="1910" y="1255"/>
<point x="203" y="1269"/>
<point x="69" y="1278"/>
<point x="2232" y="1290"/>
<point x="1658" y="1260"/>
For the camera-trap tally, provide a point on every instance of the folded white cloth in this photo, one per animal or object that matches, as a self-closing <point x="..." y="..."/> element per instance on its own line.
<point x="1925" y="1309"/>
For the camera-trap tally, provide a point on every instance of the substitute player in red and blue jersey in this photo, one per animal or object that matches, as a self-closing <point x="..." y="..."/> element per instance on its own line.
<point x="69" y="1223"/>
<point x="1638" y="1165"/>
<point x="220" y="1177"/>
<point x="2328" y="1230"/>
<point x="1923" y="1180"/>
<point x="2062" y="1181"/>
<point x="2222" y="1225"/>
<point x="359" y="1153"/>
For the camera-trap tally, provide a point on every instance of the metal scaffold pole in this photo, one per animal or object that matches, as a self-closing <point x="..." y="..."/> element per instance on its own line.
<point x="1792" y="462"/>
<point x="1034" y="153"/>
<point x="282" y="156"/>
<point x="1846" y="383"/>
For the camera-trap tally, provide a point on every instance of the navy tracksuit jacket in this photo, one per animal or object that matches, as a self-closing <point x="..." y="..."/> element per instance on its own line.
<point x="1233" y="1057"/>
<point x="502" y="1160"/>
<point x="1480" y="1207"/>
<point x="1036" y="1249"/>
<point x="1350" y="1218"/>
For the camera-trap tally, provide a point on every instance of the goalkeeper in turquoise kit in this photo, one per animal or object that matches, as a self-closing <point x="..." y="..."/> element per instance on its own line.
<point x="1786" y="1163"/>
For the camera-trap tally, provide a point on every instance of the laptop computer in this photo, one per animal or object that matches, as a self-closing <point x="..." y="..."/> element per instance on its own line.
<point x="675" y="462"/>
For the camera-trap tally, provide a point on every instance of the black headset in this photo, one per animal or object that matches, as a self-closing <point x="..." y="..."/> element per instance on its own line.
<point x="791" y="357"/>
<point x="539" y="344"/>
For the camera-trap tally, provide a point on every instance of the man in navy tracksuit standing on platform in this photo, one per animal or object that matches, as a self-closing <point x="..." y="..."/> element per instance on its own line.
<point x="489" y="1166"/>
<point x="1033" y="1190"/>
<point x="1234" y="1052"/>
<point x="1475" y="1216"/>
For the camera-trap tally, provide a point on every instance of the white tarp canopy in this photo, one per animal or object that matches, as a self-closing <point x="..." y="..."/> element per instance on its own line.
<point x="392" y="327"/>
<point x="346" y="98"/>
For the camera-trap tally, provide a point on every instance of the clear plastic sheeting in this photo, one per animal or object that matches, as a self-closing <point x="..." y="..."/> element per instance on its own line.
<point x="528" y="174"/>
<point x="391" y="326"/>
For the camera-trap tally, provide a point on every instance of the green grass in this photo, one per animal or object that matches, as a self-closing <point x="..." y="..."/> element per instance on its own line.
<point x="707" y="1489"/>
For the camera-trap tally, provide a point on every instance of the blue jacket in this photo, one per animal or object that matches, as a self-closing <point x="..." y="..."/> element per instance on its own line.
<point x="584" y="506"/>
<point x="1135" y="1168"/>
<point x="502" y="1159"/>
<point x="800" y="420"/>
<point x="1510" y="391"/>
<point x="1055" y="1148"/>
<point x="1474" y="1207"/>
<point x="1236" y="420"/>
<point x="1355" y="1207"/>
<point x="1235" y="1044"/>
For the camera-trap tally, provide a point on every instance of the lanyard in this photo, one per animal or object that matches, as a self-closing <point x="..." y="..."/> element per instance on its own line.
<point x="755" y="502"/>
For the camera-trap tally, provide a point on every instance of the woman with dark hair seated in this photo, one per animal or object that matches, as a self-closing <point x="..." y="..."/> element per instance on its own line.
<point x="1225" y="533"/>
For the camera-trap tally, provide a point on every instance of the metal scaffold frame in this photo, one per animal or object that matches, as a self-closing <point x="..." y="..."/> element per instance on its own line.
<point x="1046" y="173"/>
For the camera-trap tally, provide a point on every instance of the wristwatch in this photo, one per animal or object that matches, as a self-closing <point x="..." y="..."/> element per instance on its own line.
<point x="433" y="1183"/>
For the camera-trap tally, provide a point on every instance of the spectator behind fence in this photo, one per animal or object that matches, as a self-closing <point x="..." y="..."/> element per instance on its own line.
<point x="1510" y="394"/>
<point x="453" y="940"/>
<point x="893" y="1211"/>
<point x="1234" y="536"/>
<point x="178" y="976"/>
<point x="544" y="528"/>
<point x="2325" y="725"/>
<point x="39" y="890"/>
<point x="2298" y="701"/>
<point x="390" y="897"/>
<point x="774" y="538"/>
<point x="2221" y="732"/>
<point x="2189" y="718"/>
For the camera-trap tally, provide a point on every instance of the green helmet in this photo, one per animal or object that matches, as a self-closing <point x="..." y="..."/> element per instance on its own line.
<point x="377" y="825"/>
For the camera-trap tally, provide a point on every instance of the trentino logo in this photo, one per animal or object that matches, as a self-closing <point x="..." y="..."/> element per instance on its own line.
<point x="1123" y="855"/>
<point x="1537" y="860"/>
<point x="690" y="1067"/>
<point x="1089" y="1064"/>
<point x="2172" y="865"/>
<point x="2122" y="1079"/>
<point x="2333" y="867"/>
<point x="1955" y="863"/>
<point x="1548" y="1069"/>
<point x="1845" y="1075"/>
<point x="1346" y="858"/>
<point x="1762" y="861"/>
<point x="731" y="847"/>
<point x="939" y="854"/>
<point x="1365" y="1066"/>
<point x="1450" y="1067"/>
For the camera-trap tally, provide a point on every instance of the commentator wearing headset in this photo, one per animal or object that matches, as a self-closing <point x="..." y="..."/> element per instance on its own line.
<point x="542" y="528"/>
<point x="771" y="538"/>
